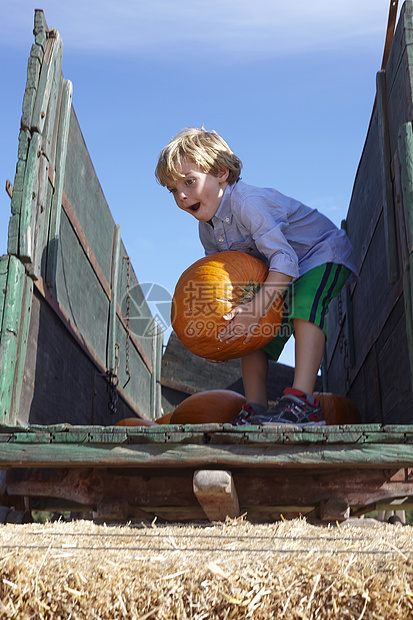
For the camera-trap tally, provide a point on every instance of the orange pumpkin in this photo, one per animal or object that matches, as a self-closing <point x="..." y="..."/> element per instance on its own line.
<point x="211" y="406"/>
<point x="210" y="288"/>
<point x="338" y="409"/>
<point x="165" y="419"/>
<point x="136" y="422"/>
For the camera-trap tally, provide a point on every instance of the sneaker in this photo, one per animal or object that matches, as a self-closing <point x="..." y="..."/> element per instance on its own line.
<point x="244" y="416"/>
<point x="294" y="407"/>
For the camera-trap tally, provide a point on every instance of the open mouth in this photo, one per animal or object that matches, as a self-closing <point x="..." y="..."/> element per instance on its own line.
<point x="194" y="208"/>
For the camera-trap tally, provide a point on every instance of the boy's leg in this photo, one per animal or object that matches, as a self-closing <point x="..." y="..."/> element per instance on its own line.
<point x="254" y="375"/>
<point x="308" y="337"/>
<point x="311" y="295"/>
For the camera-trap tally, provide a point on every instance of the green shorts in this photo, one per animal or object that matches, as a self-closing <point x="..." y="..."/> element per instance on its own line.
<point x="308" y="298"/>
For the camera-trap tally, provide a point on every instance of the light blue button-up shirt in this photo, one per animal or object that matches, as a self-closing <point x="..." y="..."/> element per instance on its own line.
<point x="284" y="233"/>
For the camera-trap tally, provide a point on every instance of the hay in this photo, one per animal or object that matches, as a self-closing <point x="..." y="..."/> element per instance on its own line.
<point x="232" y="570"/>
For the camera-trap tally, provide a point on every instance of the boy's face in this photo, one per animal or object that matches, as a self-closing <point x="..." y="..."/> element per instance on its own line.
<point x="197" y="192"/>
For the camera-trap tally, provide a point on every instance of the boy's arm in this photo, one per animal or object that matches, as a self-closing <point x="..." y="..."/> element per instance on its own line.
<point x="244" y="319"/>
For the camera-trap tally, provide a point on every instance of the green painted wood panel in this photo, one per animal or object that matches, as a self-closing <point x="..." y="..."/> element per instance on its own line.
<point x="379" y="380"/>
<point x="85" y="194"/>
<point x="13" y="338"/>
<point x="61" y="383"/>
<point x="138" y="388"/>
<point x="72" y="253"/>
<point x="79" y="292"/>
<point x="61" y="137"/>
<point x="390" y="235"/>
<point x="141" y="320"/>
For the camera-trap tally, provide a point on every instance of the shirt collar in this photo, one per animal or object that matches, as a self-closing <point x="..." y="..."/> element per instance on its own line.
<point x="224" y="212"/>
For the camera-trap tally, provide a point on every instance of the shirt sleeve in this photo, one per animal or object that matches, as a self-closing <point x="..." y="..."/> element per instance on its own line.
<point x="267" y="223"/>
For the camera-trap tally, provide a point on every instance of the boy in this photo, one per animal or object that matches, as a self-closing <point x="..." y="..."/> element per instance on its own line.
<point x="309" y="260"/>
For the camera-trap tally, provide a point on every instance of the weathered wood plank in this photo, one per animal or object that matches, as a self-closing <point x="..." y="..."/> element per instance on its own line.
<point x="11" y="344"/>
<point x="60" y="167"/>
<point x="112" y="344"/>
<point x="52" y="64"/>
<point x="41" y="219"/>
<point x="408" y="309"/>
<point x="140" y="320"/>
<point x="210" y="433"/>
<point x="33" y="75"/>
<point x="188" y="455"/>
<point x="50" y="128"/>
<point x="18" y="185"/>
<point x="40" y="27"/>
<point x="399" y="71"/>
<point x="86" y="197"/>
<point x="138" y="388"/>
<point x="387" y="186"/>
<point x="157" y="350"/>
<point x="28" y="203"/>
<point x="4" y="268"/>
<point x="405" y="148"/>
<point x="21" y="354"/>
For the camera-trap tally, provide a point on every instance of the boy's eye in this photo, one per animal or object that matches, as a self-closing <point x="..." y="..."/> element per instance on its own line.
<point x="172" y="191"/>
<point x="190" y="181"/>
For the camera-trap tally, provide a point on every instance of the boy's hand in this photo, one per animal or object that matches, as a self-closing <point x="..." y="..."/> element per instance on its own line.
<point x="243" y="321"/>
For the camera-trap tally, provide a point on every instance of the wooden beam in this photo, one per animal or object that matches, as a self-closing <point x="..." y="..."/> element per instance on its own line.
<point x="215" y="491"/>
<point x="389" y="456"/>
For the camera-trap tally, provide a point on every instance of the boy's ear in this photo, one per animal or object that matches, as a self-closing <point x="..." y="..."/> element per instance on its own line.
<point x="223" y="175"/>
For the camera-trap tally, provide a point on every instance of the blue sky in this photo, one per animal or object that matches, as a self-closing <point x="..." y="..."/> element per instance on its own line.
<point x="289" y="85"/>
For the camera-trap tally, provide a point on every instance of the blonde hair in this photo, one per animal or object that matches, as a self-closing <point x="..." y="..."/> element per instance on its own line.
<point x="204" y="148"/>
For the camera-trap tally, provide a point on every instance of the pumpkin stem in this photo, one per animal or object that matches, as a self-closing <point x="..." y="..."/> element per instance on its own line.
<point x="248" y="292"/>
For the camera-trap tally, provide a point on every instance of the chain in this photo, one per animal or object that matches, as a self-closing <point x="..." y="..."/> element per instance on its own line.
<point x="112" y="384"/>
<point x="127" y="316"/>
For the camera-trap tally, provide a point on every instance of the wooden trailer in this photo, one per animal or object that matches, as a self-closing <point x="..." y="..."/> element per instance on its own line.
<point x="72" y="366"/>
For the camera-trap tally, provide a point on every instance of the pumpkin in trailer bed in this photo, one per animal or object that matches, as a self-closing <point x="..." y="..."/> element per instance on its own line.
<point x="165" y="419"/>
<point x="208" y="290"/>
<point x="135" y="422"/>
<point x="338" y="409"/>
<point x="210" y="406"/>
